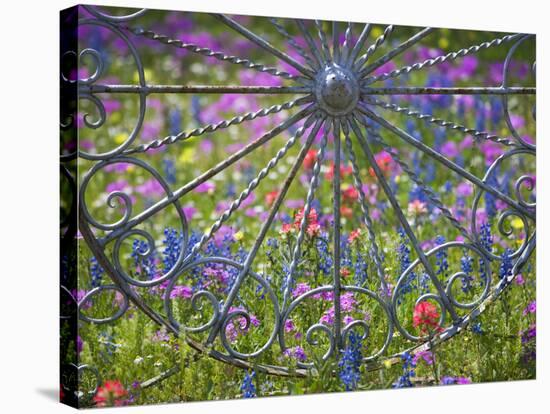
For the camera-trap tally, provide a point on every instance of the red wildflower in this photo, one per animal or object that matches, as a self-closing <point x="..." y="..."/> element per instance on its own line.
<point x="287" y="227"/>
<point x="345" y="272"/>
<point x="309" y="160"/>
<point x="354" y="235"/>
<point x="311" y="217"/>
<point x="426" y="317"/>
<point x="350" y="194"/>
<point x="313" y="227"/>
<point x="112" y="393"/>
<point x="344" y="171"/>
<point x="384" y="162"/>
<point x="270" y="197"/>
<point x="346" y="211"/>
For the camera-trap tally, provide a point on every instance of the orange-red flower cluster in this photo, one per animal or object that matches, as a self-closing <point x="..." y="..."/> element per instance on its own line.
<point x="426" y="317"/>
<point x="313" y="227"/>
<point x="384" y="162"/>
<point x="112" y="393"/>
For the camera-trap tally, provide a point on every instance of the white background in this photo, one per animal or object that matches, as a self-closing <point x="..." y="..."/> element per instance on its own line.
<point x="29" y="209"/>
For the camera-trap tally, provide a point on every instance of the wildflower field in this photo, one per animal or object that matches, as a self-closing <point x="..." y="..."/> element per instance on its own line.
<point x="281" y="318"/>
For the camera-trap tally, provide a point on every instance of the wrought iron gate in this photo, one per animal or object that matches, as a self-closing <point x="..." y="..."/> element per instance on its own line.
<point x="339" y="94"/>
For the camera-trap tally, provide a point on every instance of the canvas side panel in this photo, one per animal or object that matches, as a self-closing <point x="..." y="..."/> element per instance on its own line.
<point x="68" y="338"/>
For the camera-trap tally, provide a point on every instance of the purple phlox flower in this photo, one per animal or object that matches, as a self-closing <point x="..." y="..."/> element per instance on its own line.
<point x="232" y="331"/>
<point x="119" y="167"/>
<point x="206" y="146"/>
<point x="79" y="344"/>
<point x="300" y="289"/>
<point x="118" y="185"/>
<point x="189" y="211"/>
<point x="224" y="233"/>
<point x="464" y="190"/>
<point x="519" y="280"/>
<point x="150" y="188"/>
<point x="180" y="291"/>
<point x="449" y="149"/>
<point x="467" y="142"/>
<point x="531" y="308"/>
<point x="528" y="334"/>
<point x="289" y="325"/>
<point x="296" y="352"/>
<point x="294" y="204"/>
<point x="250" y="78"/>
<point x="205" y="187"/>
<point x="218" y="273"/>
<point x="427" y="356"/>
<point x="161" y="336"/>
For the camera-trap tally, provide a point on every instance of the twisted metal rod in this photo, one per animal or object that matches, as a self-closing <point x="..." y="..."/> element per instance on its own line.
<point x="364" y="208"/>
<point x="432" y="195"/>
<point x="314" y="182"/>
<point x="292" y="42"/>
<point x="396" y="51"/>
<point x="403" y="220"/>
<point x="236" y="120"/>
<point x="204" y="51"/>
<point x="324" y="42"/>
<point x="311" y="43"/>
<point x="359" y="44"/>
<point x="263" y="231"/>
<point x="442" y="58"/>
<point x="233" y="158"/>
<point x="264" y="44"/>
<point x="251" y="186"/>
<point x="346" y="47"/>
<point x="448" y="163"/>
<point x="372" y="48"/>
<point x="478" y="135"/>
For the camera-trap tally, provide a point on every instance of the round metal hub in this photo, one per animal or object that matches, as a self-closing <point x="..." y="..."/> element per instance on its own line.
<point x="337" y="90"/>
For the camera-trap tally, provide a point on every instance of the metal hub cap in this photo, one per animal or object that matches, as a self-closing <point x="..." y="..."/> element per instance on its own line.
<point x="337" y="90"/>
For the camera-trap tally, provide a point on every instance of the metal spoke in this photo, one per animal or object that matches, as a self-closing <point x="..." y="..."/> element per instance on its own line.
<point x="236" y="120"/>
<point x="194" y="89"/>
<point x="437" y="156"/>
<point x="314" y="182"/>
<point x="264" y="229"/>
<point x="311" y="43"/>
<point x="301" y="51"/>
<point x="442" y="58"/>
<point x="425" y="90"/>
<point x="264" y="44"/>
<point x="431" y="194"/>
<point x="324" y="42"/>
<point x="379" y="41"/>
<point x="359" y="44"/>
<point x="478" y="135"/>
<point x="396" y="51"/>
<point x="374" y="249"/>
<point x="402" y="220"/>
<point x="233" y="158"/>
<point x="335" y="42"/>
<point x="204" y="51"/>
<point x="346" y="47"/>
<point x="336" y="194"/>
<point x="251" y="187"/>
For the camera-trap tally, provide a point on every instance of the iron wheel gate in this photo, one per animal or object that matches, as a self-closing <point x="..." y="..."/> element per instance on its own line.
<point x="340" y="95"/>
